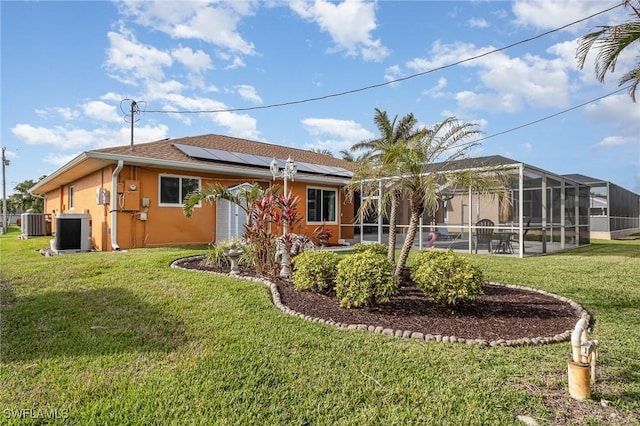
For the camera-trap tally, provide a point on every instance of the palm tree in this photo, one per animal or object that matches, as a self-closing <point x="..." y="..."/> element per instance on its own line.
<point x="376" y="163"/>
<point x="347" y="155"/>
<point x="611" y="41"/>
<point x="324" y="151"/>
<point x="424" y="172"/>
<point x="245" y="197"/>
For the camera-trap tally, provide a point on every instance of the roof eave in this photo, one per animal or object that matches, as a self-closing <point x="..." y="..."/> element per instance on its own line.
<point x="103" y="159"/>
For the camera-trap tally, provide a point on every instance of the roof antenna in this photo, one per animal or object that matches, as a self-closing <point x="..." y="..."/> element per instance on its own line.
<point x="129" y="116"/>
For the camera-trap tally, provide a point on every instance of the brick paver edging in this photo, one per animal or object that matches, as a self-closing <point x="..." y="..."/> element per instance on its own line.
<point x="408" y="334"/>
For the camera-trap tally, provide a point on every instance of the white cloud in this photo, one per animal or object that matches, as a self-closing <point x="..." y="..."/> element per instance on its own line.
<point x="212" y="22"/>
<point x="393" y="72"/>
<point x="510" y="84"/>
<point x="59" y="160"/>
<point x="437" y="90"/>
<point x="239" y="125"/>
<point x="67" y="138"/>
<point x="550" y="14"/>
<point x="131" y="61"/>
<point x="38" y="135"/>
<point x="68" y="113"/>
<point x="111" y="96"/>
<point x="349" y="24"/>
<point x="196" y="62"/>
<point x="616" y="110"/>
<point x="339" y="134"/>
<point x="613" y="141"/>
<point x="158" y="90"/>
<point x="477" y="23"/>
<point x="65" y="113"/>
<point x="102" y="111"/>
<point x="248" y="93"/>
<point x="236" y="63"/>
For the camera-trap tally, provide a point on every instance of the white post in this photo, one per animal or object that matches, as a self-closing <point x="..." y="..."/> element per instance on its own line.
<point x="470" y="201"/>
<point x="521" y="211"/>
<point x="288" y="172"/>
<point x="4" y="192"/>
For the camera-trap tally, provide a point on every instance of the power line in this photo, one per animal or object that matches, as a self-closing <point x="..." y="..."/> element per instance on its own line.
<point x="564" y="111"/>
<point x="375" y="86"/>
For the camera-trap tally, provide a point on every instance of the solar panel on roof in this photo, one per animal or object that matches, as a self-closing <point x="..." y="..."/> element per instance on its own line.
<point x="265" y="160"/>
<point x="304" y="167"/>
<point x="321" y="169"/>
<point x="212" y="154"/>
<point x="194" y="151"/>
<point x="225" y="156"/>
<point x="255" y="160"/>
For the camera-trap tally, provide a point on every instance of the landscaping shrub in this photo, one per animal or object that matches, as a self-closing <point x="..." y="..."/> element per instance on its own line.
<point x="365" y="279"/>
<point x="217" y="255"/>
<point x="372" y="247"/>
<point x="315" y="270"/>
<point x="248" y="257"/>
<point x="448" y="278"/>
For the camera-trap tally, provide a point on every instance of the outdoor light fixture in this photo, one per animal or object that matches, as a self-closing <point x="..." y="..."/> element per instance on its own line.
<point x="288" y="173"/>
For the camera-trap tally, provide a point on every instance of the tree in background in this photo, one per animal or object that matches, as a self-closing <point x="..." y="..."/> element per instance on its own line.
<point x="22" y="200"/>
<point x="323" y="151"/>
<point x="611" y="41"/>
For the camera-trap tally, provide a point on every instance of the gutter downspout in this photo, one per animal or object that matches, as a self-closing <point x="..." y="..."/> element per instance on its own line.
<point x="114" y="206"/>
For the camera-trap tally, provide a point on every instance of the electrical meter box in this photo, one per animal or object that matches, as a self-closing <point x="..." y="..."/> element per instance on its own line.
<point x="131" y="195"/>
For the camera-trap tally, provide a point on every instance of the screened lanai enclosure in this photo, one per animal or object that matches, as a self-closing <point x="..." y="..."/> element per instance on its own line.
<point x="537" y="212"/>
<point x="614" y="211"/>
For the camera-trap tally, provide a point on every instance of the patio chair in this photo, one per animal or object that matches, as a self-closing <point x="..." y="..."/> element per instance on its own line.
<point x="484" y="233"/>
<point x="443" y="232"/>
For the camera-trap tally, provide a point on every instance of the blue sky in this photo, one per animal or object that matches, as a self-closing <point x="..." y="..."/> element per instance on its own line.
<point x="68" y="66"/>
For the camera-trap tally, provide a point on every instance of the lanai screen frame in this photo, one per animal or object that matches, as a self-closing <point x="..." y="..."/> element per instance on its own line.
<point x="547" y="208"/>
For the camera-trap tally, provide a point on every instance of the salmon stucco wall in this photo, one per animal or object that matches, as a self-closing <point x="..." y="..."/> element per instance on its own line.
<point x="142" y="221"/>
<point x="84" y="201"/>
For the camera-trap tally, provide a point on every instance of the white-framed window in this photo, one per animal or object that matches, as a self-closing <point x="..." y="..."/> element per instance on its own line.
<point x="72" y="191"/>
<point x="322" y="205"/>
<point x="173" y="189"/>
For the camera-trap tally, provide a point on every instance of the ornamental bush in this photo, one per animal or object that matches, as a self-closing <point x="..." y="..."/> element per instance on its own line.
<point x="365" y="279"/>
<point x="315" y="270"/>
<point x="218" y="257"/>
<point x="373" y="247"/>
<point x="448" y="278"/>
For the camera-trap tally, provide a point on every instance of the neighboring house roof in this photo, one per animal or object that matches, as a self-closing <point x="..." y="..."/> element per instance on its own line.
<point x="170" y="153"/>
<point x="591" y="181"/>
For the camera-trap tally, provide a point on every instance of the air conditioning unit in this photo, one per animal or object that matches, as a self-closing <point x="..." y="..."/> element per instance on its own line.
<point x="34" y="225"/>
<point x="73" y="233"/>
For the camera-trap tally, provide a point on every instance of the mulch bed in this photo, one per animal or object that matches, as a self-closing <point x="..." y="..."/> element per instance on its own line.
<point x="501" y="313"/>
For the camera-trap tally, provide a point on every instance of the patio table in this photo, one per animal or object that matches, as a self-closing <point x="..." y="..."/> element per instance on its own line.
<point x="504" y="239"/>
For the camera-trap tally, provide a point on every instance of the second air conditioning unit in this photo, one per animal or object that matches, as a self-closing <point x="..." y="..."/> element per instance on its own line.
<point x="34" y="225"/>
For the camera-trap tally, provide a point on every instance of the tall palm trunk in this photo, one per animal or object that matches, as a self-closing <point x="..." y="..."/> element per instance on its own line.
<point x="393" y="221"/>
<point x="414" y="221"/>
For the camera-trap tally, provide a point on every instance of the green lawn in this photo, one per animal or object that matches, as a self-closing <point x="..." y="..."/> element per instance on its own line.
<point x="121" y="338"/>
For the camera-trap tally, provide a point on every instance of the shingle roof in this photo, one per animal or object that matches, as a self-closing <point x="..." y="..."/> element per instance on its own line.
<point x="164" y="150"/>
